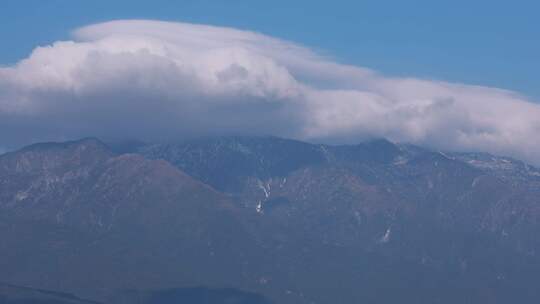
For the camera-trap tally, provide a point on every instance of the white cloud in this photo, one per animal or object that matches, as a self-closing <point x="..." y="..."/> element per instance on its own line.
<point x="160" y="80"/>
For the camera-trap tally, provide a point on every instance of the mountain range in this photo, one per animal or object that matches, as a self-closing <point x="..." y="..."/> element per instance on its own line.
<point x="266" y="220"/>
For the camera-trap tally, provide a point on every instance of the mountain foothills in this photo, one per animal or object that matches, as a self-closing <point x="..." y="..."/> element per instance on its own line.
<point x="10" y="294"/>
<point x="266" y="220"/>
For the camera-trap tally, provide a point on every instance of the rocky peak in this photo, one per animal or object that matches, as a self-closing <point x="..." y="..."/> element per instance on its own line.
<point x="56" y="156"/>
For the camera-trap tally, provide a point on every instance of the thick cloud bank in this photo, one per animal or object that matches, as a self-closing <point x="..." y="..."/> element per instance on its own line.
<point x="159" y="80"/>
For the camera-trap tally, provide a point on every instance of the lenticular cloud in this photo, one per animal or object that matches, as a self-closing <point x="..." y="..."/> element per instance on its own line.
<point x="160" y="80"/>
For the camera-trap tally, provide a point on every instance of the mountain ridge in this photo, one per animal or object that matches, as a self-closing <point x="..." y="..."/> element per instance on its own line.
<point x="293" y="221"/>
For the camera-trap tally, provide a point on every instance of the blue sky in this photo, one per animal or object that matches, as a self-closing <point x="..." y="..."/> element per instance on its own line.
<point x="492" y="43"/>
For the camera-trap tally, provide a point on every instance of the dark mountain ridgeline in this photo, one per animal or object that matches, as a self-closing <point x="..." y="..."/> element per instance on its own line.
<point x="11" y="294"/>
<point x="195" y="295"/>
